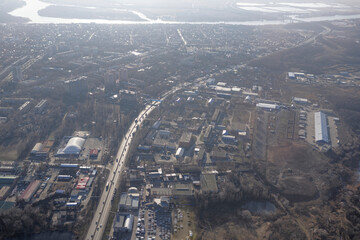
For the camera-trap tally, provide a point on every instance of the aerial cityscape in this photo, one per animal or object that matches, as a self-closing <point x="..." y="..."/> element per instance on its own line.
<point x="179" y="119"/>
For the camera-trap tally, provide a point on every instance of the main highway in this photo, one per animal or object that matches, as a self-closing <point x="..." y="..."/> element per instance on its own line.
<point x="98" y="223"/>
<point x="101" y="215"/>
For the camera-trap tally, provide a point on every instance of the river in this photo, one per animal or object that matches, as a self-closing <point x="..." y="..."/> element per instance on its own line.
<point x="30" y="11"/>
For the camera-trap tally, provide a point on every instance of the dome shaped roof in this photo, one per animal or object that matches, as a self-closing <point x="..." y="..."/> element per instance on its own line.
<point x="133" y="190"/>
<point x="74" y="145"/>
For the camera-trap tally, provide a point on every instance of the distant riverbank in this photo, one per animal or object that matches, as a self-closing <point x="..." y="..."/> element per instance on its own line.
<point x="41" y="12"/>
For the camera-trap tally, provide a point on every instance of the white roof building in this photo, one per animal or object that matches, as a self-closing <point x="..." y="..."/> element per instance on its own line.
<point x="301" y="100"/>
<point x="321" y="131"/>
<point x="179" y="152"/>
<point x="37" y="148"/>
<point x="73" y="147"/>
<point x="267" y="106"/>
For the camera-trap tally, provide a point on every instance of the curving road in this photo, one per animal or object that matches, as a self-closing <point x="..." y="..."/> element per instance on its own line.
<point x="101" y="215"/>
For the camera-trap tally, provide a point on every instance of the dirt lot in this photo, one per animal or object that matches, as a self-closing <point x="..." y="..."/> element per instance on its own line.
<point x="333" y="131"/>
<point x="298" y="156"/>
<point x="10" y="153"/>
<point x="184" y="220"/>
<point x="260" y="135"/>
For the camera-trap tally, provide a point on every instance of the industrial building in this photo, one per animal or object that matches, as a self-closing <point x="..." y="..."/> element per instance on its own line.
<point x="200" y="155"/>
<point x="228" y="139"/>
<point x="40" y="107"/>
<point x="7" y="169"/>
<point x="303" y="101"/>
<point x="217" y="155"/>
<point x="156" y="125"/>
<point x="208" y="134"/>
<point x="321" y="130"/>
<point x="94" y="153"/>
<point x="71" y="205"/>
<point x="64" y="178"/>
<point x="185" y="140"/>
<point x="179" y="152"/>
<point x="215" y="117"/>
<point x="128" y="202"/>
<point x="294" y="75"/>
<point x="164" y="133"/>
<point x="4" y="192"/>
<point x="133" y="191"/>
<point x="69" y="165"/>
<point x="156" y="175"/>
<point x="7" y="179"/>
<point x="15" y="100"/>
<point x="38" y="152"/>
<point x="72" y="148"/>
<point x="82" y="183"/>
<point x="159" y="144"/>
<point x="24" y="107"/>
<point x="30" y="190"/>
<point x="182" y="190"/>
<point x="190" y="93"/>
<point x="17" y="73"/>
<point x="267" y="106"/>
<point x="123" y="222"/>
<point x="208" y="183"/>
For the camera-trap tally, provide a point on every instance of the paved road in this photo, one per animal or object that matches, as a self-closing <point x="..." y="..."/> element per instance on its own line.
<point x="100" y="218"/>
<point x="101" y="215"/>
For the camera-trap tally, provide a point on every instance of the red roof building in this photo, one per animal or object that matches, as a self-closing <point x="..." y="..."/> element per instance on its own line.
<point x="82" y="183"/>
<point x="30" y="190"/>
<point x="94" y="153"/>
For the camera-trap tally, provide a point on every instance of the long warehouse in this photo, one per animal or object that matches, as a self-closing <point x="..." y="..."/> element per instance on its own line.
<point x="321" y="130"/>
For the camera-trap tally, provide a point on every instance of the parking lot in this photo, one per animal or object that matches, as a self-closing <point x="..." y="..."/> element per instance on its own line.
<point x="91" y="143"/>
<point x="153" y="224"/>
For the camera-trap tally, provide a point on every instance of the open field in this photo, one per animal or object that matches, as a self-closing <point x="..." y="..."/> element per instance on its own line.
<point x="318" y="56"/>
